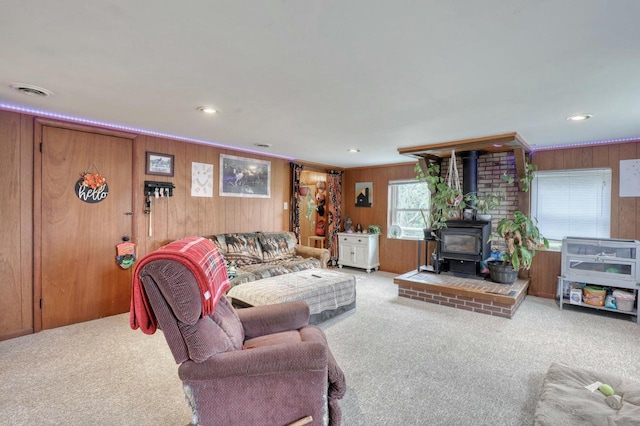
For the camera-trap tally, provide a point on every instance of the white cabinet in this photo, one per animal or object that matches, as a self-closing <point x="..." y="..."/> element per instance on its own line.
<point x="358" y="250"/>
<point x="612" y="263"/>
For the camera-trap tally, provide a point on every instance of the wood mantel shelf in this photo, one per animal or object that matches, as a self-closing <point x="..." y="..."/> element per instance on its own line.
<point x="497" y="143"/>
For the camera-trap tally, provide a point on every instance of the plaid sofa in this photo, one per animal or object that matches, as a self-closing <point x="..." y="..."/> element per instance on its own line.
<point x="258" y="255"/>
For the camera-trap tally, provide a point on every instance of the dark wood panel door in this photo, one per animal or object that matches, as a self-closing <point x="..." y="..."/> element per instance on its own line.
<point x="81" y="280"/>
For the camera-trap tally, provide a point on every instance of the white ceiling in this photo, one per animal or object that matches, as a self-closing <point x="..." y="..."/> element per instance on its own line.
<point x="313" y="78"/>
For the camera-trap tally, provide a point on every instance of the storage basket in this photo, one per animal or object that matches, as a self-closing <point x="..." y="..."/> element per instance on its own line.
<point x="624" y="300"/>
<point x="594" y="295"/>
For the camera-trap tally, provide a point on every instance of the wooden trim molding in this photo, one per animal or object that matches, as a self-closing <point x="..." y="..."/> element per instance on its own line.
<point x="84" y="128"/>
<point x="37" y="225"/>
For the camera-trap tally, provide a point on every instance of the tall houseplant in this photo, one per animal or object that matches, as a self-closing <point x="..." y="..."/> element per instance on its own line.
<point x="522" y="240"/>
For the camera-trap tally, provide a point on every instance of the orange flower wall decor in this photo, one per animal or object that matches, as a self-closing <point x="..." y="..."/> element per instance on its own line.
<point x="93" y="180"/>
<point x="92" y="187"/>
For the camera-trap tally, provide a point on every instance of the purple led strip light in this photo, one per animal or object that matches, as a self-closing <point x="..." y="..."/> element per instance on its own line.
<point x="577" y="144"/>
<point x="131" y="129"/>
<point x="219" y="145"/>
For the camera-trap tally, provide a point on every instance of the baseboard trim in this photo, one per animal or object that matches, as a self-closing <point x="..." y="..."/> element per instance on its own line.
<point x="15" y="334"/>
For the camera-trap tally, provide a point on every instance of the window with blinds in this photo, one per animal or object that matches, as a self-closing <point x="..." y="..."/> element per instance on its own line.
<point x="572" y="203"/>
<point x="406" y="199"/>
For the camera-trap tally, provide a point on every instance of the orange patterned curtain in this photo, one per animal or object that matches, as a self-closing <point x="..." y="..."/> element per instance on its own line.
<point x="334" y="191"/>
<point x="294" y="220"/>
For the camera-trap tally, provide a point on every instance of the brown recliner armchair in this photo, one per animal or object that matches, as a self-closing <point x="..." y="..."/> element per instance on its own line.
<point x="255" y="366"/>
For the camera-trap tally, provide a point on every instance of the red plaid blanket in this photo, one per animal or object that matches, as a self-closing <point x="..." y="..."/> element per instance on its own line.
<point x="202" y="258"/>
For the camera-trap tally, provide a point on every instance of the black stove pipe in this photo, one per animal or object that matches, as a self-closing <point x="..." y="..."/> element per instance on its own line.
<point x="470" y="173"/>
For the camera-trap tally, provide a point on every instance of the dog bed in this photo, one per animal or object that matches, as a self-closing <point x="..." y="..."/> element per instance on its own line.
<point x="566" y="401"/>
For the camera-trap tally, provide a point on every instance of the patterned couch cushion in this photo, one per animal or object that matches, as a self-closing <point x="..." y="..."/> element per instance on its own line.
<point x="299" y="263"/>
<point x="241" y="278"/>
<point x="265" y="270"/>
<point x="262" y="255"/>
<point x="243" y="248"/>
<point x="277" y="245"/>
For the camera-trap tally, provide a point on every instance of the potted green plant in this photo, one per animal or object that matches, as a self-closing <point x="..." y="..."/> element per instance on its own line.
<point x="484" y="202"/>
<point x="374" y="229"/>
<point x="444" y="201"/>
<point x="522" y="240"/>
<point x="429" y="226"/>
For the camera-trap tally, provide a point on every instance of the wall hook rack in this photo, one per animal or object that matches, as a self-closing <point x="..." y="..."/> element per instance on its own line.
<point x="158" y="189"/>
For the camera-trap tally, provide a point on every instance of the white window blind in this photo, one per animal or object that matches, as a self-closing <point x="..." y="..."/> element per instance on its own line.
<point x="406" y="199"/>
<point x="572" y="203"/>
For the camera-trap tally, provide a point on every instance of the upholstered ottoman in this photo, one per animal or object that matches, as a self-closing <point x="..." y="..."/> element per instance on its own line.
<point x="328" y="293"/>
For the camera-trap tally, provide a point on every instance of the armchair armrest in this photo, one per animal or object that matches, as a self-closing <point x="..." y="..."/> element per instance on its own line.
<point x="268" y="319"/>
<point x="266" y="360"/>
<point x="321" y="254"/>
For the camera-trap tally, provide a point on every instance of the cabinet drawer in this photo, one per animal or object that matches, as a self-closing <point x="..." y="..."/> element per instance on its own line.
<point x="355" y="239"/>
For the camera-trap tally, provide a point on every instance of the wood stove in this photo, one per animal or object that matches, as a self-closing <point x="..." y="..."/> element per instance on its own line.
<point x="463" y="244"/>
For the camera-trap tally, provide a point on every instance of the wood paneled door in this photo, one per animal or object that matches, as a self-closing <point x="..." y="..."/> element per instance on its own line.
<point x="79" y="277"/>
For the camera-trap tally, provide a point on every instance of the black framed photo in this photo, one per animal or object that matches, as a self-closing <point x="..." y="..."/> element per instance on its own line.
<point x="159" y="164"/>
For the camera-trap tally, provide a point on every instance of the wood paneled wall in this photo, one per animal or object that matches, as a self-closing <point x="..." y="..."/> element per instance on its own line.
<point x="16" y="227"/>
<point x="172" y="218"/>
<point x="397" y="256"/>
<point x="625" y="211"/>
<point x="183" y="215"/>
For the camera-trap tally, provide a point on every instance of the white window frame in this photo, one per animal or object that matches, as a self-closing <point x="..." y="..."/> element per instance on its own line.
<point x="406" y="233"/>
<point x="572" y="203"/>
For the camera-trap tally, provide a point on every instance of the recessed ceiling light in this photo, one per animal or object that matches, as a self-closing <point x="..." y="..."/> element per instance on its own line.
<point x="579" y="117"/>
<point x="207" y="109"/>
<point x="263" y="145"/>
<point x="497" y="145"/>
<point x="31" y="90"/>
<point x="353" y="150"/>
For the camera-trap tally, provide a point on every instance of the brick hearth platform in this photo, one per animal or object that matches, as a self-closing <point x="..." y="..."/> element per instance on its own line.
<point x="475" y="295"/>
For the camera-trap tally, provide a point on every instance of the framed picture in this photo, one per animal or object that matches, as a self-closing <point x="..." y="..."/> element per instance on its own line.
<point x="453" y="214"/>
<point x="244" y="177"/>
<point x="159" y="164"/>
<point x="467" y="214"/>
<point x="364" y="194"/>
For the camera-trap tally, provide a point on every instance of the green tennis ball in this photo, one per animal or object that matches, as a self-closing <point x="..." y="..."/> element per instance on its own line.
<point x="607" y="390"/>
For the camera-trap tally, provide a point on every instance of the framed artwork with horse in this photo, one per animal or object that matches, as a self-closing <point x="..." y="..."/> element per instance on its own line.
<point x="244" y="177"/>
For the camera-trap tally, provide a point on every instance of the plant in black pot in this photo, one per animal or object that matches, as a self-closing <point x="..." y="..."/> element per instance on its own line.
<point x="522" y="240"/>
<point x="430" y="227"/>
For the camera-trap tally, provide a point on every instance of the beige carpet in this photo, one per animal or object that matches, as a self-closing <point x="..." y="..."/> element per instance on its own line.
<point x="406" y="362"/>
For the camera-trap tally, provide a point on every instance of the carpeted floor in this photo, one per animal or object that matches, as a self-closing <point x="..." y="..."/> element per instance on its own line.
<point x="406" y="362"/>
